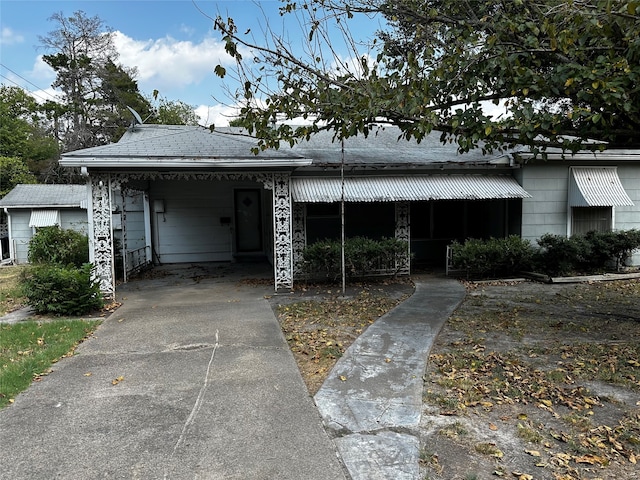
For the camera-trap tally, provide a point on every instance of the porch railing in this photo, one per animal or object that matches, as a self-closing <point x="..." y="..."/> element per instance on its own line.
<point x="137" y="260"/>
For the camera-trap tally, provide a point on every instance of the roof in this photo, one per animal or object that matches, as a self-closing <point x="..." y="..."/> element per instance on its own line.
<point x="596" y="187"/>
<point x="45" y="195"/>
<point x="385" y="147"/>
<point x="406" y="188"/>
<point x="181" y="146"/>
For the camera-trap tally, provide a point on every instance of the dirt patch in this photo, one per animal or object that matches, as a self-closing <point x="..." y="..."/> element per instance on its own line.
<point x="320" y="321"/>
<point x="536" y="381"/>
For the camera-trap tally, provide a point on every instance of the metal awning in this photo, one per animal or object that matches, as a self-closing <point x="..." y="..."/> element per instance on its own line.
<point x="44" y="218"/>
<point x="596" y="187"/>
<point x="406" y="188"/>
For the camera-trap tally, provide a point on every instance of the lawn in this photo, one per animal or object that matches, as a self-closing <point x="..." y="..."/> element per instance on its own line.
<point x="27" y="350"/>
<point x="10" y="295"/>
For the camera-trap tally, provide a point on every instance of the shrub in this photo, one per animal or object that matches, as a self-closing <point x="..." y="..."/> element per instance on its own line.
<point x="59" y="246"/>
<point x="493" y="257"/>
<point x="363" y="257"/>
<point x="61" y="290"/>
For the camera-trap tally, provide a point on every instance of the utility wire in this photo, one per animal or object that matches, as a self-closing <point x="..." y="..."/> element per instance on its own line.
<point x="28" y="81"/>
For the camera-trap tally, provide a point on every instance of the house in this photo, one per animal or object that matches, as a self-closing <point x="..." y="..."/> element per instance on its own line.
<point x="29" y="207"/>
<point x="188" y="194"/>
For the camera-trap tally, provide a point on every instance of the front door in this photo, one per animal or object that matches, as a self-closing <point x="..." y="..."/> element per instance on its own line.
<point x="248" y="212"/>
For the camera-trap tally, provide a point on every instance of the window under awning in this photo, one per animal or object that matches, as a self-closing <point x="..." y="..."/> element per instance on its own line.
<point x="596" y="187"/>
<point x="44" y="218"/>
<point x="406" y="188"/>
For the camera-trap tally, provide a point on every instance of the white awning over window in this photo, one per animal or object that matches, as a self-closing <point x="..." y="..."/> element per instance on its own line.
<point x="406" y="188"/>
<point x="596" y="187"/>
<point x="44" y="218"/>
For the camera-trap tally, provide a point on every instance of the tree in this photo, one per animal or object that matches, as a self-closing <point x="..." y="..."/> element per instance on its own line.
<point x="12" y="172"/>
<point x="173" y="112"/>
<point x="560" y="71"/>
<point x="23" y="130"/>
<point x="95" y="89"/>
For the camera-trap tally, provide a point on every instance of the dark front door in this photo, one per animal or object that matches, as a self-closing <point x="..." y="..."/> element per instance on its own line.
<point x="248" y="221"/>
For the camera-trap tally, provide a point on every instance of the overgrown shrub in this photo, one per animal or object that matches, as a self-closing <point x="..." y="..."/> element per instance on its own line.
<point x="59" y="246"/>
<point x="57" y="290"/>
<point x="493" y="257"/>
<point x="60" y="281"/>
<point x="363" y="257"/>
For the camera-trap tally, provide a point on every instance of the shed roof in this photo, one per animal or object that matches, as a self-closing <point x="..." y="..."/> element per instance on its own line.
<point x="45" y="195"/>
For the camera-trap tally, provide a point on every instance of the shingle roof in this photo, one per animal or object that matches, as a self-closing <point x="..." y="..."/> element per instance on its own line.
<point x="179" y="146"/>
<point x="45" y="195"/>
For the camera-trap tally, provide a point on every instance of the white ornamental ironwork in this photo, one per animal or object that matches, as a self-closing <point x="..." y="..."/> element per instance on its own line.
<point x="101" y="234"/>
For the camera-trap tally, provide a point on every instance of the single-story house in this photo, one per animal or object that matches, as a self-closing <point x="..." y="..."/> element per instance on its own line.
<point x="29" y="207"/>
<point x="188" y="194"/>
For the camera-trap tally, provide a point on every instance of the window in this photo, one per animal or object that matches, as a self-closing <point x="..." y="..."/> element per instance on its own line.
<point x="586" y="219"/>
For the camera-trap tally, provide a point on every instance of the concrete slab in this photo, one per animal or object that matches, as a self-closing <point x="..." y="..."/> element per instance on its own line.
<point x="209" y="389"/>
<point x="373" y="397"/>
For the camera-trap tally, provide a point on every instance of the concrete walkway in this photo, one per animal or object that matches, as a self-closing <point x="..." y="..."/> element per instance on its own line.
<point x="208" y="390"/>
<point x="372" y="401"/>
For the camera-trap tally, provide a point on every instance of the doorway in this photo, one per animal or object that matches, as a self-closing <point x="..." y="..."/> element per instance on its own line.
<point x="248" y="220"/>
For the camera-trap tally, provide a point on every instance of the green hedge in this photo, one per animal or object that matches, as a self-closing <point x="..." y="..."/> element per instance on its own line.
<point x="495" y="257"/>
<point x="555" y="255"/>
<point x="363" y="257"/>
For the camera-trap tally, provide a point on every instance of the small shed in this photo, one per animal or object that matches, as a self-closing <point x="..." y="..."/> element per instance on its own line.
<point x="29" y="207"/>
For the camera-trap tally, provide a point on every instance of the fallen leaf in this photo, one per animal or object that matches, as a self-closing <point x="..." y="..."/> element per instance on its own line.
<point x="533" y="453"/>
<point x="88" y="374"/>
<point x="343" y="378"/>
<point x="116" y="381"/>
<point x="493" y="426"/>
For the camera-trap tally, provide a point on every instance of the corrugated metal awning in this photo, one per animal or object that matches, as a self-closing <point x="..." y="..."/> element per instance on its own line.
<point x="596" y="187"/>
<point x="406" y="188"/>
<point x="44" y="218"/>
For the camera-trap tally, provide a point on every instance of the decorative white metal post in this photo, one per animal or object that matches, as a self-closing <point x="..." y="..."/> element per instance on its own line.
<point x="100" y="241"/>
<point x="283" y="238"/>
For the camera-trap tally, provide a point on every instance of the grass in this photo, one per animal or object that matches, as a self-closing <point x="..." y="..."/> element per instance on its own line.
<point x="28" y="349"/>
<point x="11" y="296"/>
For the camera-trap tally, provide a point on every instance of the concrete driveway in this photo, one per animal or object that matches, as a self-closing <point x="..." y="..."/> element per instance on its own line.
<point x="210" y="390"/>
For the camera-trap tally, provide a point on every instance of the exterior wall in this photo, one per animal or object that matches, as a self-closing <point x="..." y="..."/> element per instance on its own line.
<point x="547" y="210"/>
<point x="191" y="228"/>
<point x="21" y="232"/>
<point x="628" y="217"/>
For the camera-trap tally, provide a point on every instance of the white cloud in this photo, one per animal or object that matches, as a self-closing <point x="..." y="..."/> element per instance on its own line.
<point x="218" y="115"/>
<point x="168" y="63"/>
<point x="9" y="37"/>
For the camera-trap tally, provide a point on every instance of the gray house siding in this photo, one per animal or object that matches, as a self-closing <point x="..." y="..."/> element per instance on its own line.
<point x="21" y="232"/>
<point x="547" y="210"/>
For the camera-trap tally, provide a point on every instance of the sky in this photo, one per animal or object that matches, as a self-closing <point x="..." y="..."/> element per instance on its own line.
<point x="170" y="42"/>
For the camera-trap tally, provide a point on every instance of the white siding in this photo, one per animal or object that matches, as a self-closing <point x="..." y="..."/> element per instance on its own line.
<point x="190" y="230"/>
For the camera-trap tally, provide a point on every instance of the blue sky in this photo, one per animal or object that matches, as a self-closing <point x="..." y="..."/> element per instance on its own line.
<point x="170" y="42"/>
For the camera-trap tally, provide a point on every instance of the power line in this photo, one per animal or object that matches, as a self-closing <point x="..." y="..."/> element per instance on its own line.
<point x="20" y="86"/>
<point x="28" y="81"/>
